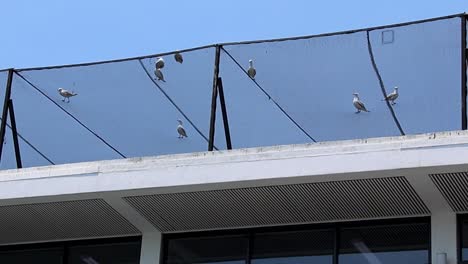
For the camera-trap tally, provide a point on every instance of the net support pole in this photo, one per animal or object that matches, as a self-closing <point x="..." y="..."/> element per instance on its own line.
<point x="5" y="110"/>
<point x="214" y="98"/>
<point x="222" y="103"/>
<point x="11" y="111"/>
<point x="464" y="61"/>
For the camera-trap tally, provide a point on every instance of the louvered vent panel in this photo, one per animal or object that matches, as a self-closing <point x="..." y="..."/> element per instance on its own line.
<point x="285" y="204"/>
<point x="60" y="221"/>
<point x="454" y="187"/>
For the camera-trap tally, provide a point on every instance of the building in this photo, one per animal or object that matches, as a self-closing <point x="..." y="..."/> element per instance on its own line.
<point x="307" y="181"/>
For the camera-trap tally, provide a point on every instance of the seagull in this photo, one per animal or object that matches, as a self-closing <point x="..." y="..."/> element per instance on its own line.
<point x="181" y="129"/>
<point x="66" y="94"/>
<point x="392" y="96"/>
<point x="159" y="63"/>
<point x="251" y="71"/>
<point x="358" y="104"/>
<point x="178" y="57"/>
<point x="159" y="75"/>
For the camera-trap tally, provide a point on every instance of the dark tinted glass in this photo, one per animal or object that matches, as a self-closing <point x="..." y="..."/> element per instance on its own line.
<point x="220" y="249"/>
<point x="43" y="256"/>
<point x="298" y="247"/>
<point x="464" y="239"/>
<point x="386" y="244"/>
<point x="118" y="253"/>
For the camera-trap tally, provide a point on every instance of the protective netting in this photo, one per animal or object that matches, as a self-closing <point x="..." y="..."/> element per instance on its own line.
<point x="302" y="93"/>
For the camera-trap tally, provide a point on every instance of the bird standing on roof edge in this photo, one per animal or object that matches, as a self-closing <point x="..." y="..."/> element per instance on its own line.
<point x="181" y="130"/>
<point x="178" y="57"/>
<point x="391" y="97"/>
<point x="251" y="71"/>
<point x="66" y="94"/>
<point x="358" y="104"/>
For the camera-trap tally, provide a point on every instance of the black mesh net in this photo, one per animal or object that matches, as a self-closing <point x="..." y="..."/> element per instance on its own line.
<point x="302" y="92"/>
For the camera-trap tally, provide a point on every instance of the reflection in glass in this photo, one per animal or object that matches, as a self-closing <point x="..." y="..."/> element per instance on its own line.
<point x="405" y="243"/>
<point x="118" y="253"/>
<point x="43" y="256"/>
<point x="297" y="247"/>
<point x="220" y="249"/>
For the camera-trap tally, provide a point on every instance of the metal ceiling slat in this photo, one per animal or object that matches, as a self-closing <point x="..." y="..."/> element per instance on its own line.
<point x="454" y="188"/>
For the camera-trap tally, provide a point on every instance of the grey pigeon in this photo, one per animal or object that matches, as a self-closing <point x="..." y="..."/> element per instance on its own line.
<point x="181" y="130"/>
<point x="178" y="57"/>
<point x="251" y="71"/>
<point x="391" y="97"/>
<point x="358" y="104"/>
<point x="159" y="63"/>
<point x="66" y="94"/>
<point x="159" y="75"/>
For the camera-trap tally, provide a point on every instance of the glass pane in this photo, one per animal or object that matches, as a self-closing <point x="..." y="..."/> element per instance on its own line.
<point x="222" y="249"/>
<point x="423" y="60"/>
<point x="464" y="238"/>
<point x="46" y="256"/>
<point x="120" y="104"/>
<point x="405" y="243"/>
<point x="118" y="253"/>
<point x="299" y="247"/>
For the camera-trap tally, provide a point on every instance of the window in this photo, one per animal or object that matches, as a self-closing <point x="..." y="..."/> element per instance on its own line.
<point x="99" y="251"/>
<point x="216" y="249"/>
<point x="35" y="256"/>
<point x="312" y="246"/>
<point x="405" y="243"/>
<point x="392" y="241"/>
<point x="464" y="238"/>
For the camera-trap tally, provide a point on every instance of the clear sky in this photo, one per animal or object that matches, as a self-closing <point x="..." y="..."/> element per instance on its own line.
<point x="51" y="32"/>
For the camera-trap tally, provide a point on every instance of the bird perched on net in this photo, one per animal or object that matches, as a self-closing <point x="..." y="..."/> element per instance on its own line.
<point x="251" y="71"/>
<point x="181" y="129"/>
<point x="158" y="73"/>
<point x="159" y="63"/>
<point x="391" y="97"/>
<point x="66" y="94"/>
<point x="178" y="57"/>
<point x="358" y="104"/>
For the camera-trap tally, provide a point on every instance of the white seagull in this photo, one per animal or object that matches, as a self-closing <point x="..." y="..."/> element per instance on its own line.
<point x="159" y="63"/>
<point x="358" y="104"/>
<point x="178" y="57"/>
<point x="159" y="75"/>
<point x="391" y="97"/>
<point x="251" y="71"/>
<point x="181" y="130"/>
<point x="66" y="94"/>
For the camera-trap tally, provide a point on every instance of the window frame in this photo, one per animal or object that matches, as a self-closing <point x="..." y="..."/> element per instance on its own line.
<point x="336" y="227"/>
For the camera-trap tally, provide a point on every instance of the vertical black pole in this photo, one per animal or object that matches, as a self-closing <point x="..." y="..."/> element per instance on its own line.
<point x="464" y="62"/>
<point x="5" y="110"/>
<point x="19" y="164"/>
<point x="214" y="97"/>
<point x="224" y="111"/>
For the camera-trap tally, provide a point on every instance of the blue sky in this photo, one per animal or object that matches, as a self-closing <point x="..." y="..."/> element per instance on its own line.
<point x="51" y="32"/>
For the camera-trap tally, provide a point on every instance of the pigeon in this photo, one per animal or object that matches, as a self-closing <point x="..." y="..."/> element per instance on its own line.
<point x="66" y="94"/>
<point x="251" y="71"/>
<point x="358" y="104"/>
<point x="159" y="75"/>
<point x="159" y="63"/>
<point x="181" y="130"/>
<point x="391" y="97"/>
<point x="178" y="57"/>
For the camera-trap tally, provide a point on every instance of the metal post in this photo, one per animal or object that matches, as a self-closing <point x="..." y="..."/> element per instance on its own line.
<point x="336" y="245"/>
<point x="19" y="165"/>
<point x="464" y="61"/>
<point x="5" y="110"/>
<point x="214" y="97"/>
<point x="227" y="133"/>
